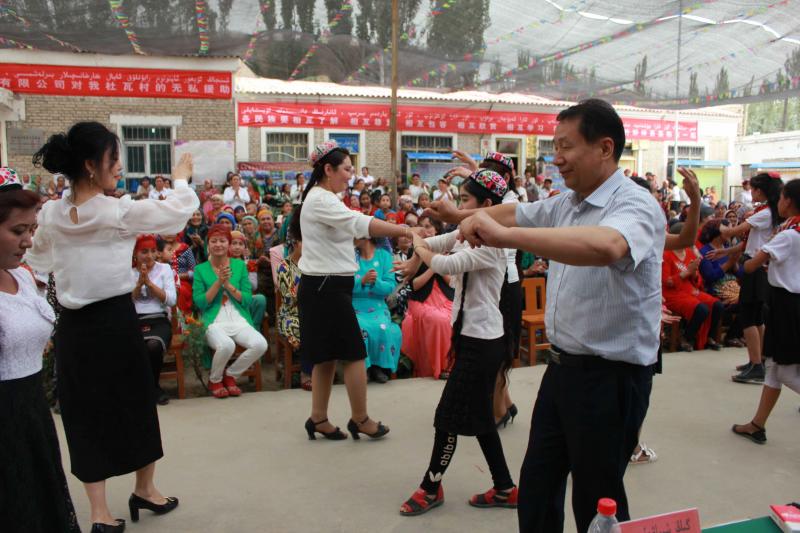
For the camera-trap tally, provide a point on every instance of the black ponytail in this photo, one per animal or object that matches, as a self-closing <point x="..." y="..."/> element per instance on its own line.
<point x="67" y="153"/>
<point x="771" y="187"/>
<point x="335" y="157"/>
<point x="455" y="340"/>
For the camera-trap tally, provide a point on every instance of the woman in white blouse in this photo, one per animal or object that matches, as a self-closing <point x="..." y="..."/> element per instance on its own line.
<point x="236" y="195"/>
<point x="153" y="295"/>
<point x="35" y="497"/>
<point x="328" y="326"/>
<point x="105" y="384"/>
<point x="481" y="348"/>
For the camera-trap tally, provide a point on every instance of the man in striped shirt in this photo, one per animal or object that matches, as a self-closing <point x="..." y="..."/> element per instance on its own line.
<point x="604" y="238"/>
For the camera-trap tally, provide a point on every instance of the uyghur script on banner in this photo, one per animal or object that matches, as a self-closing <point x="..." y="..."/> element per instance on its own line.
<point x="125" y="82"/>
<point x="440" y="119"/>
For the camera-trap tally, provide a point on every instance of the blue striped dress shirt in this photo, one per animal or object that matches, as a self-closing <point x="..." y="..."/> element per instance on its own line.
<point x="612" y="311"/>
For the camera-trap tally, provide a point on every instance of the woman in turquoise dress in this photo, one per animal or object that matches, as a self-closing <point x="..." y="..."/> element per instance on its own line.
<point x="374" y="281"/>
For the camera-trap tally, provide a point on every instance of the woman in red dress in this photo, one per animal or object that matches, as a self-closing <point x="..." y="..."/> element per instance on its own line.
<point x="681" y="284"/>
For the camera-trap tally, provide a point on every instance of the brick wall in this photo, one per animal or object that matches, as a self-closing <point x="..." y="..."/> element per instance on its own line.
<point x="379" y="159"/>
<point x="202" y="119"/>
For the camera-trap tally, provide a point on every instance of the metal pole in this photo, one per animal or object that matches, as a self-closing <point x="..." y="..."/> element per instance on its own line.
<point x="677" y="92"/>
<point x="393" y="116"/>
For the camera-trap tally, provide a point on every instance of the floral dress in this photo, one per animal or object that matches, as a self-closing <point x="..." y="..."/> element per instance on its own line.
<point x="288" y="320"/>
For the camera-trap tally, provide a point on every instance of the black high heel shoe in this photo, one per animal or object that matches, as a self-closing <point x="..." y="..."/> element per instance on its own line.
<point x="511" y="412"/>
<point x="135" y="503"/>
<point x="354" y="430"/>
<point x="108" y="528"/>
<point x="311" y="428"/>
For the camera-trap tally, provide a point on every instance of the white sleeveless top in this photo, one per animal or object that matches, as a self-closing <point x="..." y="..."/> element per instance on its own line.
<point x="25" y="329"/>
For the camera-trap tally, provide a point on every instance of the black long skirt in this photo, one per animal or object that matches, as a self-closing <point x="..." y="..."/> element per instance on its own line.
<point x="34" y="497"/>
<point x="105" y="389"/>
<point x="466" y="405"/>
<point x="782" y="332"/>
<point x="329" y="328"/>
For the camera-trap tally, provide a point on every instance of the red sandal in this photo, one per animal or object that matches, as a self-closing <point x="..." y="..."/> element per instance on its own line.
<point x="217" y="389"/>
<point x="419" y="502"/>
<point x="496" y="498"/>
<point x="230" y="384"/>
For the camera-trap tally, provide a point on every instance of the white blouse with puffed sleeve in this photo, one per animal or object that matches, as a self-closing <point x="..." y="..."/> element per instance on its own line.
<point x="91" y="259"/>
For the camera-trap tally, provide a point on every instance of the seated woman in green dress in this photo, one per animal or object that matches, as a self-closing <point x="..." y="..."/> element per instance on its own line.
<point x="374" y="281"/>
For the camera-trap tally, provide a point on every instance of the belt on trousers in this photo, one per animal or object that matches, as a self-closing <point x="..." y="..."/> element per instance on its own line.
<point x="562" y="358"/>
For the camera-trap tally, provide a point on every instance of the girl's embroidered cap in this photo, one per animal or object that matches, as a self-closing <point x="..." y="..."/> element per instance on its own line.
<point x="492" y="181"/>
<point x="321" y="150"/>
<point x="9" y="179"/>
<point x="502" y="159"/>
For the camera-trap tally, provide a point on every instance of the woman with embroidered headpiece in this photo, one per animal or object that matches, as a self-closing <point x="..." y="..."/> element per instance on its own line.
<point x="35" y="497"/>
<point x="481" y="350"/>
<point x="153" y="295"/>
<point x="329" y="329"/>
<point x="86" y="240"/>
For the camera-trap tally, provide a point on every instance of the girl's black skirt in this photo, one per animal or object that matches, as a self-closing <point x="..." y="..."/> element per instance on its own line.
<point x="34" y="497"/>
<point x="329" y="328"/>
<point x="465" y="407"/>
<point x="782" y="332"/>
<point x="105" y="390"/>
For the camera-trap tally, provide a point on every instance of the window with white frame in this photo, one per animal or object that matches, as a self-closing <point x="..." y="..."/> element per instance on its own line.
<point x="147" y="150"/>
<point x="437" y="144"/>
<point x="285" y="147"/>
<point x="693" y="153"/>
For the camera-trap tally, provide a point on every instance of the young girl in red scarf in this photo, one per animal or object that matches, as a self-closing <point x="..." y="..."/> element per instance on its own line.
<point x="782" y="335"/>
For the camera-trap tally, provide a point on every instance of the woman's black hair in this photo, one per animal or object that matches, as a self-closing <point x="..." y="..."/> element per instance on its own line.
<point x="480" y="192"/>
<point x="294" y="232"/>
<point x="67" y="153"/>
<point x="771" y="187"/>
<point x="792" y="191"/>
<point x="335" y="157"/>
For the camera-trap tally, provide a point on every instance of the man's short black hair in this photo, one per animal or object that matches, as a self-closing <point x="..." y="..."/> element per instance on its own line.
<point x="598" y="119"/>
<point x="548" y="179"/>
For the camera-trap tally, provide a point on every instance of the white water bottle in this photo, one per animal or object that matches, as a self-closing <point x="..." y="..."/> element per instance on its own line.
<point x="605" y="521"/>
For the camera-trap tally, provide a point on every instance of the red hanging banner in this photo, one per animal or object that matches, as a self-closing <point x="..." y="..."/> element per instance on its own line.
<point x="439" y="119"/>
<point x="126" y="82"/>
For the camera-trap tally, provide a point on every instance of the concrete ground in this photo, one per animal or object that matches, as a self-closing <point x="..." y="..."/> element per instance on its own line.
<point x="245" y="464"/>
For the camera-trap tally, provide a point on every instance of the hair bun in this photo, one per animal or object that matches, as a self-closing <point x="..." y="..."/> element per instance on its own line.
<point x="56" y="156"/>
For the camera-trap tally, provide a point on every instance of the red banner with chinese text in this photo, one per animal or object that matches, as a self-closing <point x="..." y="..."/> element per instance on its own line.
<point x="439" y="119"/>
<point x="125" y="82"/>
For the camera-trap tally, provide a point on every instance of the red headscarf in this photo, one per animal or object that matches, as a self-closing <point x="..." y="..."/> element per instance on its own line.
<point x="219" y="230"/>
<point x="145" y="240"/>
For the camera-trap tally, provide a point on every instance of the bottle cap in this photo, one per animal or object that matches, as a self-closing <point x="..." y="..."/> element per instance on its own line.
<point x="607" y="507"/>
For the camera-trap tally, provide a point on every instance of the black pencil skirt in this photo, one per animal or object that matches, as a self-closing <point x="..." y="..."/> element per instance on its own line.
<point x="105" y="389"/>
<point x="329" y="329"/>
